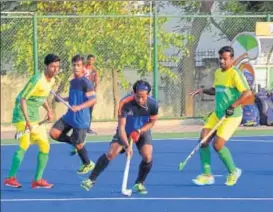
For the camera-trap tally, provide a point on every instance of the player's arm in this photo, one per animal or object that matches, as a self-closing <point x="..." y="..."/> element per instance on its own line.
<point x="244" y="96"/>
<point x="209" y="91"/>
<point x="90" y="95"/>
<point x="201" y="91"/>
<point x="243" y="87"/>
<point x="96" y="81"/>
<point x="23" y="103"/>
<point x="46" y="106"/>
<point x="122" y="131"/>
<point x="49" y="110"/>
<point x="28" y="90"/>
<point x="153" y="117"/>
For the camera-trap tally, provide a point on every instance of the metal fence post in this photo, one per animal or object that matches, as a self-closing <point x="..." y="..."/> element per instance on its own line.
<point x="35" y="43"/>
<point x="268" y="17"/>
<point x="155" y="59"/>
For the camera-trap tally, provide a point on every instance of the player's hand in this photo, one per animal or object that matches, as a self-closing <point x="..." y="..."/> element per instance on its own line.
<point x="135" y="135"/>
<point x="28" y="126"/>
<point x="229" y="111"/>
<point x="76" y="108"/>
<point x="198" y="91"/>
<point x="129" y="151"/>
<point x="56" y="99"/>
<point x="49" y="115"/>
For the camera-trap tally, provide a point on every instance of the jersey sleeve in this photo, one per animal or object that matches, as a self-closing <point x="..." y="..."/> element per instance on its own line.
<point x="154" y="112"/>
<point x="123" y="112"/>
<point x="89" y="90"/>
<point x="88" y="86"/>
<point x="30" y="87"/>
<point x="240" y="81"/>
<point x="122" y="108"/>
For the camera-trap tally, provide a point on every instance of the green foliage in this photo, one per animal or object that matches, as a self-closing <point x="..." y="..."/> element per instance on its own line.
<point x="230" y="27"/>
<point x="117" y="42"/>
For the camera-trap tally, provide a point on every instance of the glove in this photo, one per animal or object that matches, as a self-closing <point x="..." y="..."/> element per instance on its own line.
<point x="229" y="111"/>
<point x="135" y="135"/>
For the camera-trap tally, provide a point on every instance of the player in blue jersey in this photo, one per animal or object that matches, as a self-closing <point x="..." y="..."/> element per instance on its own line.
<point x="137" y="115"/>
<point x="81" y="97"/>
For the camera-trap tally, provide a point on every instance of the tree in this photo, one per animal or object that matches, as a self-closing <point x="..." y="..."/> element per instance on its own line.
<point x="230" y="27"/>
<point x="117" y="42"/>
<point x="187" y="64"/>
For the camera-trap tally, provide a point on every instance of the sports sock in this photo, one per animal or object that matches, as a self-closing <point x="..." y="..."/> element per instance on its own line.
<point x="226" y="157"/>
<point x="101" y="164"/>
<point x="16" y="162"/>
<point x="144" y="169"/>
<point x="83" y="155"/>
<point x="41" y="165"/>
<point x="205" y="160"/>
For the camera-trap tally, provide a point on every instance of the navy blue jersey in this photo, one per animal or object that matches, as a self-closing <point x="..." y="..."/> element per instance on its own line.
<point x="77" y="90"/>
<point x="136" y="115"/>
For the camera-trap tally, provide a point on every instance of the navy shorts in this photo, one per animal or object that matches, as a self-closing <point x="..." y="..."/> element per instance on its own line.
<point x="145" y="138"/>
<point x="78" y="135"/>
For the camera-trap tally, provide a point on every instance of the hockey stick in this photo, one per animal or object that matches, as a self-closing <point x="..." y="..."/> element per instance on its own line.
<point x="60" y="99"/>
<point x="18" y="135"/>
<point x="183" y="164"/>
<point x="124" y="190"/>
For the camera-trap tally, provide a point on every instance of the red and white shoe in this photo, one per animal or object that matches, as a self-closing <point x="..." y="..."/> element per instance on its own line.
<point x="41" y="184"/>
<point x="12" y="182"/>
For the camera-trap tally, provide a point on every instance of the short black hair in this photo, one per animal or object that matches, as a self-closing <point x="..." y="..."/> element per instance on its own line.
<point x="51" y="58"/>
<point x="142" y="85"/>
<point x="77" y="58"/>
<point x="226" y="49"/>
<point x="90" y="56"/>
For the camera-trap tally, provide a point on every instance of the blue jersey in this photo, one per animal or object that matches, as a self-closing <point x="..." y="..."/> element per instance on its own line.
<point x="77" y="91"/>
<point x="137" y="116"/>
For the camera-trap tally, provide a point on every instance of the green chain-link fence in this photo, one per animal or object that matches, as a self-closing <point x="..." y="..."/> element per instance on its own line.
<point x="124" y="47"/>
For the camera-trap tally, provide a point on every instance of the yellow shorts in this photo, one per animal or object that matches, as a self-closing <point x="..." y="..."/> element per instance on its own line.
<point x="226" y="129"/>
<point x="37" y="136"/>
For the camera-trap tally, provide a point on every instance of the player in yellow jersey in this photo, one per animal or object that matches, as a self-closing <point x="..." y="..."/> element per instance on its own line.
<point x="231" y="90"/>
<point x="26" y="114"/>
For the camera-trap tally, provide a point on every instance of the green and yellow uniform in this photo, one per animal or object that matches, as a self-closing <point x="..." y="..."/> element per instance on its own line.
<point x="35" y="92"/>
<point x="229" y="86"/>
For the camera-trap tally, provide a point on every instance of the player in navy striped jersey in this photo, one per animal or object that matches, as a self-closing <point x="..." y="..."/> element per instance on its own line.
<point x="137" y="115"/>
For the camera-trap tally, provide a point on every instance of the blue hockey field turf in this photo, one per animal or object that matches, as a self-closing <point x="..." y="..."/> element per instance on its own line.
<point x="169" y="190"/>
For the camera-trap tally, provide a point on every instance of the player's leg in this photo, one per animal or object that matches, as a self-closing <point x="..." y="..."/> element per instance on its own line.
<point x="18" y="157"/>
<point x="90" y="131"/>
<point x="77" y="138"/>
<point x="206" y="178"/>
<point x="39" y="135"/>
<point x="103" y="161"/>
<point x="224" y="133"/>
<point x="59" y="132"/>
<point x="146" y="151"/>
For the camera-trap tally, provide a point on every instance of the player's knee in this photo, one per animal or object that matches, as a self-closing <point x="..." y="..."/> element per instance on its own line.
<point x="147" y="158"/>
<point x="44" y="147"/>
<point x="24" y="145"/>
<point x="204" y="133"/>
<point x="54" y="134"/>
<point x="79" y="146"/>
<point x="218" y="145"/>
<point x="110" y="155"/>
